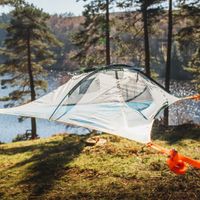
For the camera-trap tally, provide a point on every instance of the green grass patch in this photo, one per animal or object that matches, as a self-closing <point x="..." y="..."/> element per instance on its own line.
<point x="64" y="167"/>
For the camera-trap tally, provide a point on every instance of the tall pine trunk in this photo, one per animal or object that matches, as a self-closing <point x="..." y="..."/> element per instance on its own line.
<point x="32" y="86"/>
<point x="107" y="34"/>
<point x="168" y="62"/>
<point x="146" y="39"/>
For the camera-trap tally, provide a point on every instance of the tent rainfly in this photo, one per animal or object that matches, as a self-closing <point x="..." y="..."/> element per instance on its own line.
<point x="116" y="99"/>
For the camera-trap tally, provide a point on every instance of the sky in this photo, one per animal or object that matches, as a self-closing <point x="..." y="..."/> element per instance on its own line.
<point x="54" y="6"/>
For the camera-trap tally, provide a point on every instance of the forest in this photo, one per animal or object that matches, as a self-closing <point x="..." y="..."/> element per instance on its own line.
<point x="126" y="36"/>
<point x="161" y="40"/>
<point x="160" y="37"/>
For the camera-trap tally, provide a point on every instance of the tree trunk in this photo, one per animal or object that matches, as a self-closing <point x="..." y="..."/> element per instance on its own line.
<point x="146" y="39"/>
<point x="168" y="62"/>
<point x="32" y="86"/>
<point x="107" y="34"/>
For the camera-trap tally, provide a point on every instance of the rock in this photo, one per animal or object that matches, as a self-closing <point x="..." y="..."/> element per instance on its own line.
<point x="96" y="140"/>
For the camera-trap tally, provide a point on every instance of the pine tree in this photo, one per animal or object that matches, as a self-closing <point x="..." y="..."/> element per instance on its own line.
<point x="127" y="38"/>
<point x="107" y="27"/>
<point x="27" y="48"/>
<point x="93" y="38"/>
<point x="189" y="37"/>
<point x="150" y="9"/>
<point x="137" y="26"/>
<point x="168" y="62"/>
<point x="12" y="2"/>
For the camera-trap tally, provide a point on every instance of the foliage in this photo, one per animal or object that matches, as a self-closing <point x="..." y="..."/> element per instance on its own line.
<point x="127" y="37"/>
<point x="63" y="167"/>
<point x="26" y="19"/>
<point x="12" y="2"/>
<point x="23" y="137"/>
<point x="63" y="27"/>
<point x="27" y="52"/>
<point x="4" y="20"/>
<point x="189" y="38"/>
<point x="90" y="40"/>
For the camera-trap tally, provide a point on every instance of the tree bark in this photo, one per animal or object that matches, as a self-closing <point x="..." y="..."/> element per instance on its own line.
<point x="107" y="34"/>
<point x="146" y="39"/>
<point x="32" y="86"/>
<point x="168" y="62"/>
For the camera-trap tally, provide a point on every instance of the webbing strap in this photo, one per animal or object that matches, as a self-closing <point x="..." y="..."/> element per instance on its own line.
<point x="176" y="162"/>
<point x="195" y="97"/>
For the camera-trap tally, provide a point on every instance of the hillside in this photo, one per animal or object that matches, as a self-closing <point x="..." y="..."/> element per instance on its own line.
<point x="64" y="167"/>
<point x="66" y="26"/>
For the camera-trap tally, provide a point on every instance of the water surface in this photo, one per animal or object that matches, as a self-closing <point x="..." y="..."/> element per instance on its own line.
<point x="184" y="112"/>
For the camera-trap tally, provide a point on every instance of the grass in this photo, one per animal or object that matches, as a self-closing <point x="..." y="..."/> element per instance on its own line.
<point x="64" y="167"/>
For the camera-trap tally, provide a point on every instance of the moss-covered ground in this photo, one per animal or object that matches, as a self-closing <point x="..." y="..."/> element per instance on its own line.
<point x="64" y="167"/>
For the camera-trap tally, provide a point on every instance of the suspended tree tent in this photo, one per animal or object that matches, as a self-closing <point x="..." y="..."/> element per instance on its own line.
<point x="116" y="99"/>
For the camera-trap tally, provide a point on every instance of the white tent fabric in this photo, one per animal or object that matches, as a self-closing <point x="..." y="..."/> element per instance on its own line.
<point x="118" y="100"/>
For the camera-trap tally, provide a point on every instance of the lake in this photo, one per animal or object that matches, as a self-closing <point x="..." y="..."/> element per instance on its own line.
<point x="182" y="112"/>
